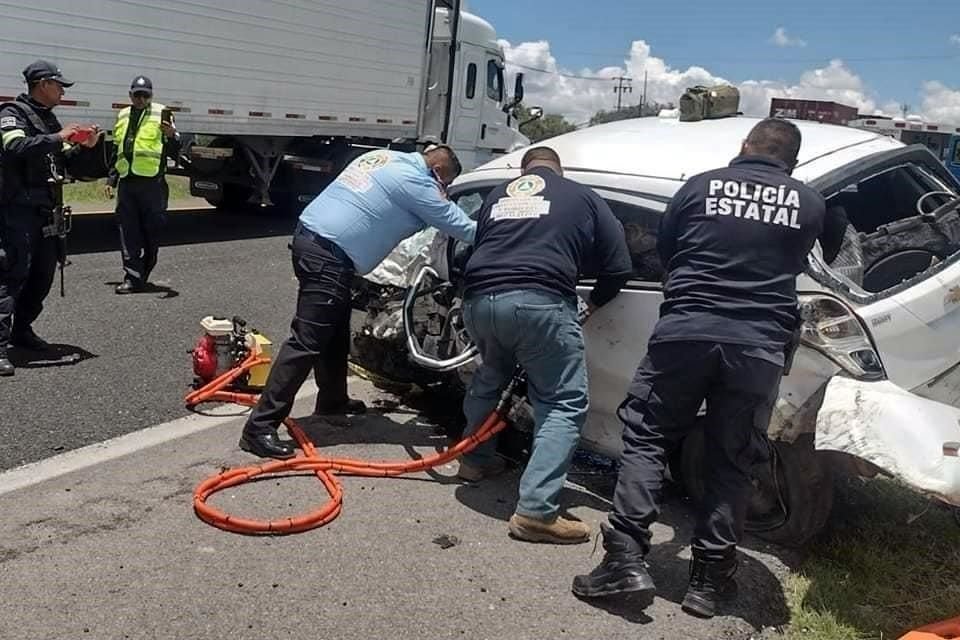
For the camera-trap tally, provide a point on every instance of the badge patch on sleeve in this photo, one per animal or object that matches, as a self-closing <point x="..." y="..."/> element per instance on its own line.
<point x="7" y="121"/>
<point x="356" y="177"/>
<point x="522" y="201"/>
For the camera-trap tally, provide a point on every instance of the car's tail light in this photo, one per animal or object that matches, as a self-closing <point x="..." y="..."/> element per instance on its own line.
<point x="833" y="329"/>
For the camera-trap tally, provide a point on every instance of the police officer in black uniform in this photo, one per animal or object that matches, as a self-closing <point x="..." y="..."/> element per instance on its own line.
<point x="36" y="155"/>
<point x="732" y="242"/>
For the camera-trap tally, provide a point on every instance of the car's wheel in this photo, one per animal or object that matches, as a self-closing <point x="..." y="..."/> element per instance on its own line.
<point x="794" y="492"/>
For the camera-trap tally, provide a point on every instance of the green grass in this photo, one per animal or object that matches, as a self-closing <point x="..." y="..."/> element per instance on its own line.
<point x="890" y="563"/>
<point x="92" y="192"/>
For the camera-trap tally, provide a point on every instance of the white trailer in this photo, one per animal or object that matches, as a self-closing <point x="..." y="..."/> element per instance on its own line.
<point x="277" y="96"/>
<point x="912" y="130"/>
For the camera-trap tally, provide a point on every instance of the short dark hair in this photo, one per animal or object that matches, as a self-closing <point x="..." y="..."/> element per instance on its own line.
<point x="450" y="158"/>
<point x="541" y="154"/>
<point x="775" y="137"/>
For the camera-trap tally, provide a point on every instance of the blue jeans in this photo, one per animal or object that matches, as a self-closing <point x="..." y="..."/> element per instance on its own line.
<point x="540" y="332"/>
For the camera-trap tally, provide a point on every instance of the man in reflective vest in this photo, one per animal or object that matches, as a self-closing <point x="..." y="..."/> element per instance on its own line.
<point x="143" y="139"/>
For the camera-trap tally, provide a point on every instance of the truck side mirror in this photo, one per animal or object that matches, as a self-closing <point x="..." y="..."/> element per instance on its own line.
<point x="517" y="95"/>
<point x="535" y="114"/>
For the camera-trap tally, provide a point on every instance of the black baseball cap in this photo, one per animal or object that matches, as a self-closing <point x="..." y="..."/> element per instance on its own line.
<point x="141" y="84"/>
<point x="43" y="70"/>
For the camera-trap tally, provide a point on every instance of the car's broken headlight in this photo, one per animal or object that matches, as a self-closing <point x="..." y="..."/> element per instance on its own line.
<point x="833" y="329"/>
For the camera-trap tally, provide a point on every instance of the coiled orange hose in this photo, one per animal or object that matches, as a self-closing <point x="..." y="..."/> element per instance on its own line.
<point x="326" y="469"/>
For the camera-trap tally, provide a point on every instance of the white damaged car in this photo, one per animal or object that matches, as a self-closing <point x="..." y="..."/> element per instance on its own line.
<point x="875" y="385"/>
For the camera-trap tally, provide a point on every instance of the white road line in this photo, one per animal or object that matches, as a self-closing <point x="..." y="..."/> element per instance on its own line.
<point x="94" y="454"/>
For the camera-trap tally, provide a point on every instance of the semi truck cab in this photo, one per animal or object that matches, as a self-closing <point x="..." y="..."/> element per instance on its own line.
<point x="480" y="124"/>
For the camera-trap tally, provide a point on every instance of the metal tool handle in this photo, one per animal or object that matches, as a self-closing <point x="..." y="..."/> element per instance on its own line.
<point x="416" y="353"/>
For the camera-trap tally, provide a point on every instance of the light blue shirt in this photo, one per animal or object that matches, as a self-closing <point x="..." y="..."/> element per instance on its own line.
<point x="382" y="198"/>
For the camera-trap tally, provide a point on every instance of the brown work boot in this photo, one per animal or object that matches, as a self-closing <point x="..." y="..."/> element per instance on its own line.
<point x="560" y="530"/>
<point x="475" y="473"/>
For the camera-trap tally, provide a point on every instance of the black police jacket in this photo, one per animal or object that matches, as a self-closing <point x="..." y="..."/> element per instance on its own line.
<point x="733" y="241"/>
<point x="27" y="153"/>
<point x="541" y="231"/>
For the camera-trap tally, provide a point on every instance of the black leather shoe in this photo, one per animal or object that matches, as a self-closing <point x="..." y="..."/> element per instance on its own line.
<point x="128" y="286"/>
<point x="622" y="570"/>
<point x="711" y="584"/>
<point x="6" y="367"/>
<point x="267" y="445"/>
<point x="29" y="340"/>
<point x="351" y="407"/>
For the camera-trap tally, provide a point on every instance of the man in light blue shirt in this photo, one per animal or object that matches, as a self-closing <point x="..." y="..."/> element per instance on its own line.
<point x="382" y="198"/>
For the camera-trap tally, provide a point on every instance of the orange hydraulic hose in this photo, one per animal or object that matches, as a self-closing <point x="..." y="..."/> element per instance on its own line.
<point x="945" y="629"/>
<point x="326" y="469"/>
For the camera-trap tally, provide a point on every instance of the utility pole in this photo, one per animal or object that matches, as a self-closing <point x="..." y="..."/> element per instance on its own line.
<point x="623" y="86"/>
<point x="643" y="104"/>
<point x="904" y="108"/>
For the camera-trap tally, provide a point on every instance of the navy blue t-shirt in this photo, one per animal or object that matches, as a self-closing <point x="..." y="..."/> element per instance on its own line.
<point x="733" y="241"/>
<point x="542" y="231"/>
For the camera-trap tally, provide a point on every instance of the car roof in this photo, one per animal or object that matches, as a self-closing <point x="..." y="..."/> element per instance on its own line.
<point x="667" y="148"/>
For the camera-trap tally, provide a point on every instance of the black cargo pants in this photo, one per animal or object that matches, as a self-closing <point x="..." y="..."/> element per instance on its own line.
<point x="28" y="269"/>
<point x="319" y="334"/>
<point x="141" y="213"/>
<point x="740" y="384"/>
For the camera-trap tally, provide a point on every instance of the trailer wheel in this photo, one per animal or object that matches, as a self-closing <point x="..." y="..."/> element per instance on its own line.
<point x="794" y="493"/>
<point x="234" y="198"/>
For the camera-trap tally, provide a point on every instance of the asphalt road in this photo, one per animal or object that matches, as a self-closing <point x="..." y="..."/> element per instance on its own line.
<point x="114" y="551"/>
<point x="134" y="368"/>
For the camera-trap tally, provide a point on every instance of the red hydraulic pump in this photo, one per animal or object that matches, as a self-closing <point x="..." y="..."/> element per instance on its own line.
<point x="225" y="344"/>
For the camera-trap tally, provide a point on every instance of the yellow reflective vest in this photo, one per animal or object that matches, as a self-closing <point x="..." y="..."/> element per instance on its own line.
<point x="147" y="145"/>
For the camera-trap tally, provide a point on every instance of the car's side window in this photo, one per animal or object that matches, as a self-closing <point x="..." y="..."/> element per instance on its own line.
<point x="888" y="240"/>
<point x="471" y="203"/>
<point x="640" y="227"/>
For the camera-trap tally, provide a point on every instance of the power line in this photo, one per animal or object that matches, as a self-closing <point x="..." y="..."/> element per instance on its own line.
<point x="776" y="61"/>
<point x="559" y="73"/>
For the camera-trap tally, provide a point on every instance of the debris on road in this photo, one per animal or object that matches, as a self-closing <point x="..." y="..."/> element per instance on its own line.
<point x="446" y="541"/>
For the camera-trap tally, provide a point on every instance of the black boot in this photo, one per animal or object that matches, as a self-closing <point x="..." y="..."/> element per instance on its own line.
<point x="28" y="339"/>
<point x="267" y="445"/>
<point x="6" y="367"/>
<point x="622" y="570"/>
<point x="129" y="286"/>
<point x="711" y="583"/>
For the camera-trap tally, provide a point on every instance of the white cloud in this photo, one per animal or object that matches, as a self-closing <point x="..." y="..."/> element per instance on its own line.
<point x="578" y="99"/>
<point x="834" y="82"/>
<point x="781" y="39"/>
<point x="955" y="39"/>
<point x="940" y="103"/>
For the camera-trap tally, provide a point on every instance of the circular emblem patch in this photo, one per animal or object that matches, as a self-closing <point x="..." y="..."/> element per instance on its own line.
<point x="526" y="186"/>
<point x="373" y="161"/>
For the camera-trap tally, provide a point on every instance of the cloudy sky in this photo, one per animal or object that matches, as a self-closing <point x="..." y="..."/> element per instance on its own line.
<point x="876" y="56"/>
